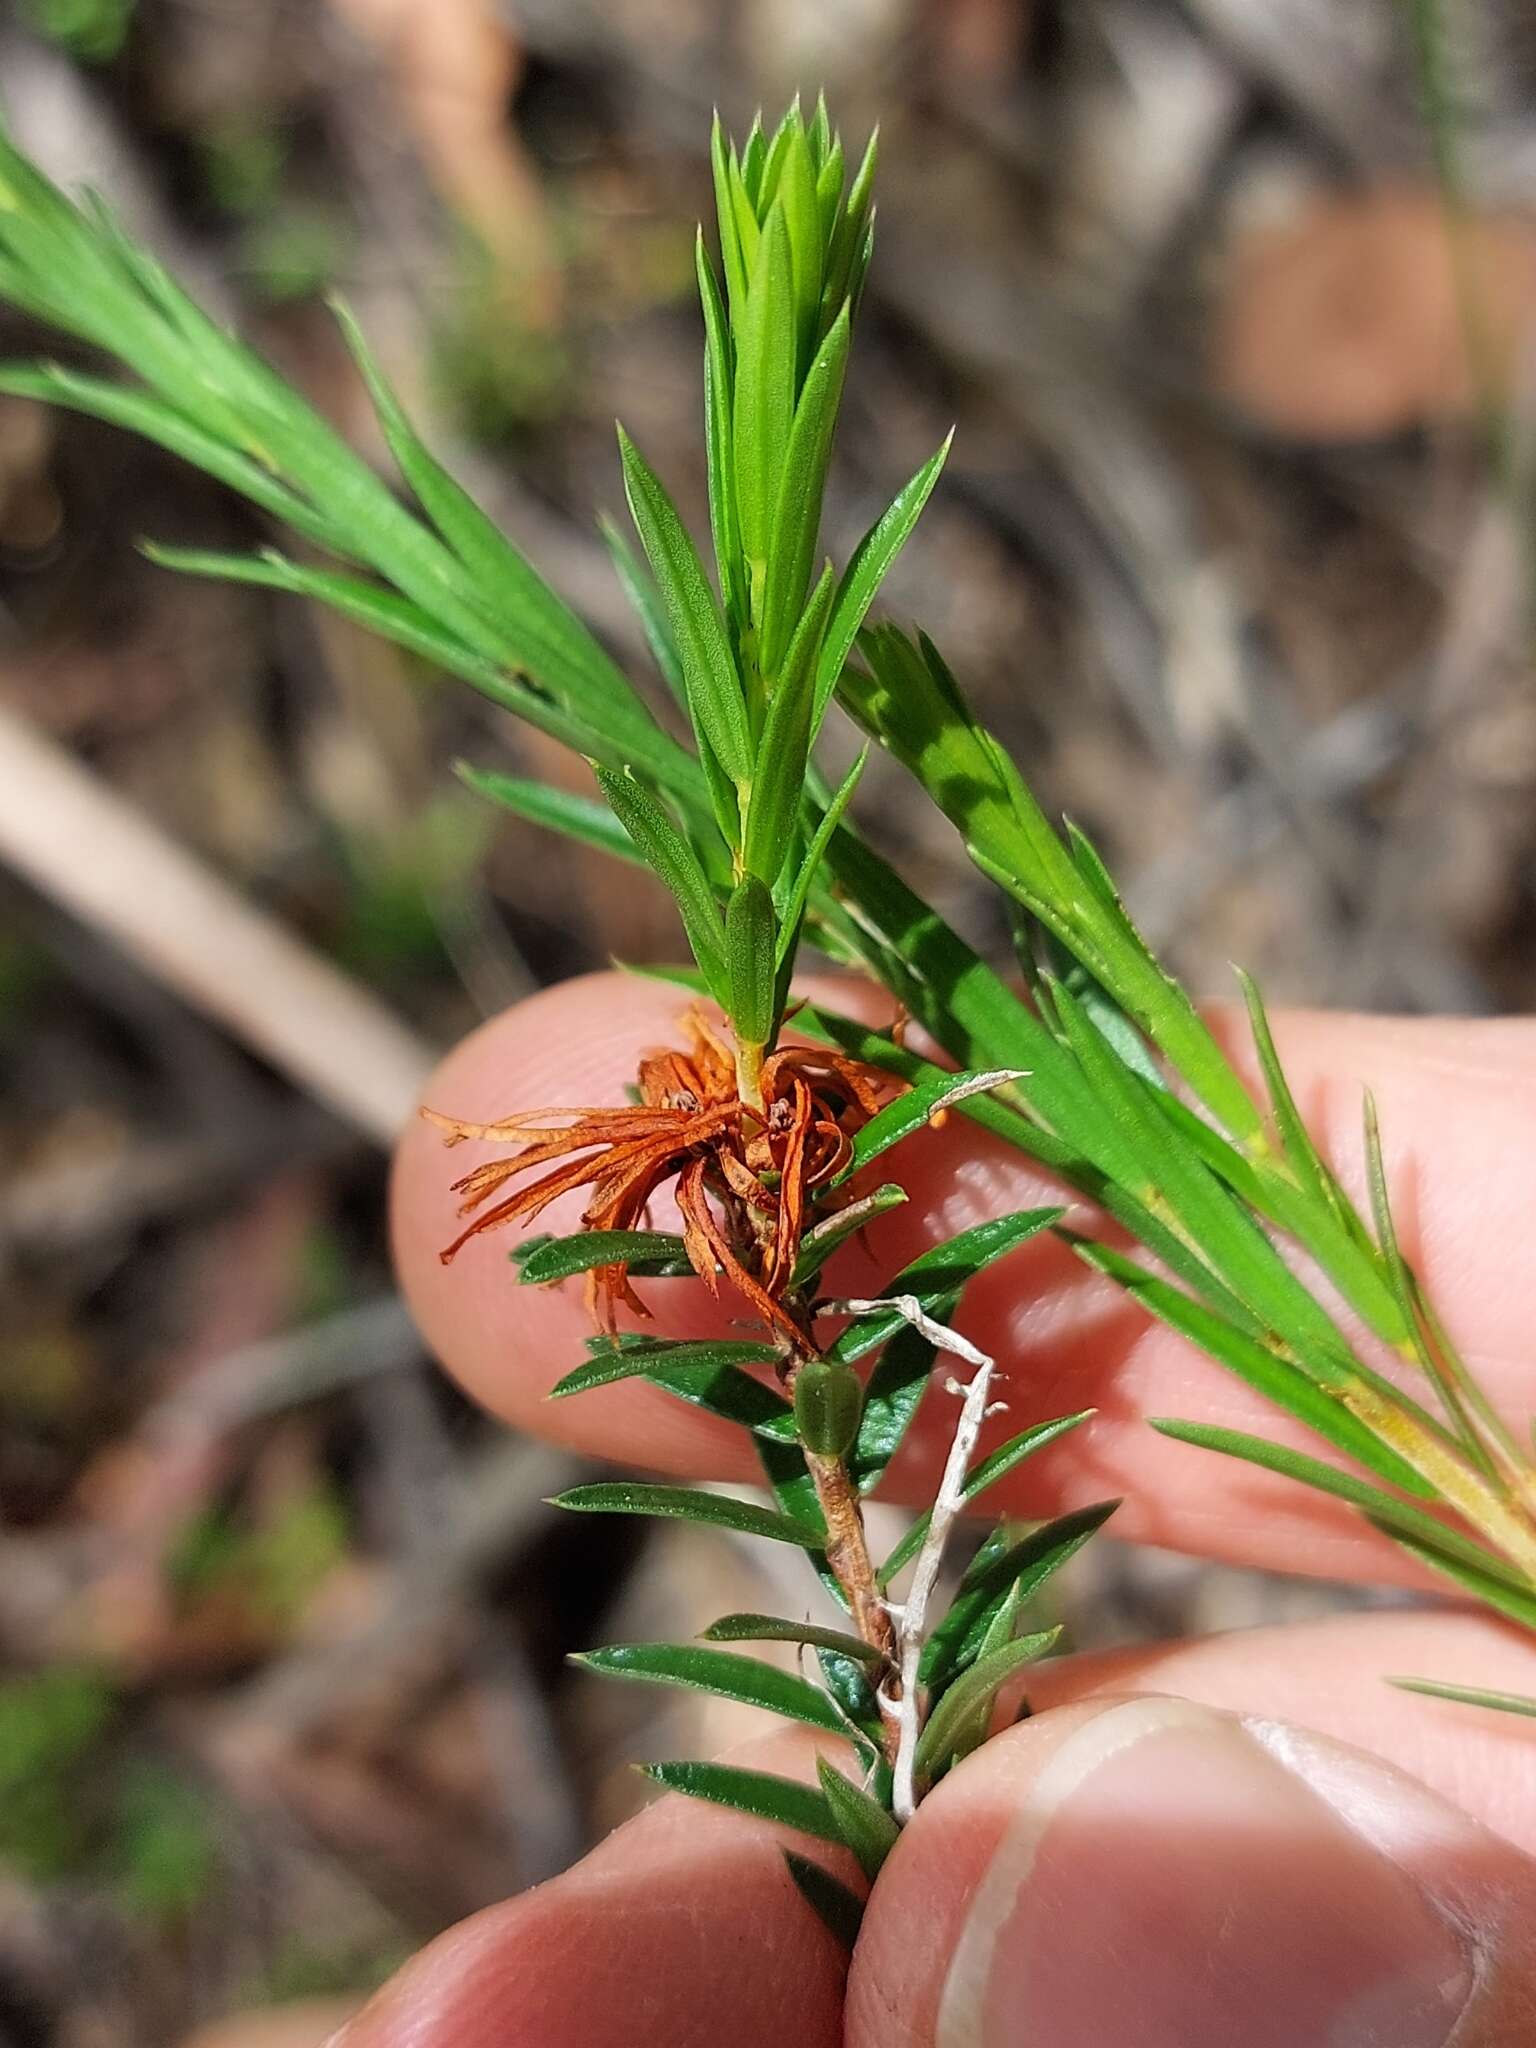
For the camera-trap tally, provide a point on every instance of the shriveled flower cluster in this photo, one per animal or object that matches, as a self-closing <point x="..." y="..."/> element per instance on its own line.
<point x="742" y="1176"/>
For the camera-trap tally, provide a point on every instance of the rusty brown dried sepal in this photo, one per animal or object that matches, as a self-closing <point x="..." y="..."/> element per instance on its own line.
<point x="743" y="1178"/>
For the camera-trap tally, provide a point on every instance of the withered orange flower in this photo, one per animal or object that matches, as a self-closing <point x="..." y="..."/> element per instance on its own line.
<point x="744" y="1177"/>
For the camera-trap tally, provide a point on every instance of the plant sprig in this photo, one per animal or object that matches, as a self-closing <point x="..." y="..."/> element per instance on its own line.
<point x="1101" y="1067"/>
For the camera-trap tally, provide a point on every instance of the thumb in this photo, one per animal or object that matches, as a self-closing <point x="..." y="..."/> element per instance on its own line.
<point x="1153" y="1871"/>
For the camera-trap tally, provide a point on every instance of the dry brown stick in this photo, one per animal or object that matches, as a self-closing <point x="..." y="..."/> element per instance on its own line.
<point x="88" y="849"/>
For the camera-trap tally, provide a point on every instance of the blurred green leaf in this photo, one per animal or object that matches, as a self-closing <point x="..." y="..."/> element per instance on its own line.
<point x="840" y="1910"/>
<point x="1468" y="1695"/>
<point x="868" y="567"/>
<point x="1018" y="1573"/>
<point x="744" y="1679"/>
<point x="698" y="629"/>
<point x="669" y="853"/>
<point x="682" y="1503"/>
<point x="768" y="1628"/>
<point x="958" y="1723"/>
<point x="1002" y="1461"/>
<point x="558" y="810"/>
<point x="867" y="1828"/>
<point x="760" y="1793"/>
<point x="557" y="1258"/>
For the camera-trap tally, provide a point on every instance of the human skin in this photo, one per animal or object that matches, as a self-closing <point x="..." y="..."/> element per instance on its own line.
<point x="1248" y="1840"/>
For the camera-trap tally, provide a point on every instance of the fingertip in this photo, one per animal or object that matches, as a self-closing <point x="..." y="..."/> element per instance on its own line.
<point x="1149" y="1869"/>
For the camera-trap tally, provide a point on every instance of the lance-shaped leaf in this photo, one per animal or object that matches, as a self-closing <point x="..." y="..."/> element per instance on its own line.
<point x="1017" y="1573"/>
<point x="839" y="1909"/>
<point x="867" y="1827"/>
<point x="153" y="419"/>
<point x="765" y="389"/>
<point x="540" y="628"/>
<point x="823" y="1238"/>
<point x="951" y="1727"/>
<point x="669" y="853"/>
<point x="892" y="1397"/>
<point x="937" y="1273"/>
<point x="867" y="570"/>
<point x="1518" y="1603"/>
<point x="918" y="1106"/>
<point x="720" y="1672"/>
<point x="557" y="1258"/>
<point x="719" y="440"/>
<point x="715" y="701"/>
<point x="797" y="516"/>
<point x="1400" y="1519"/>
<point x="558" y="810"/>
<point x="797" y="894"/>
<point x="769" y="1628"/>
<point x="1468" y="1695"/>
<point x="761" y="1793"/>
<point x="734" y="211"/>
<point x="705" y="1372"/>
<point x="1269" y="1374"/>
<point x="779" y="778"/>
<point x="751" y="936"/>
<point x="409" y="625"/>
<point x="639" y="586"/>
<point x="1002" y="1461"/>
<point x="683" y="1503"/>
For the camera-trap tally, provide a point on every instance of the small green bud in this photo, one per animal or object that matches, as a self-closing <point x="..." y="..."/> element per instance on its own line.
<point x="828" y="1403"/>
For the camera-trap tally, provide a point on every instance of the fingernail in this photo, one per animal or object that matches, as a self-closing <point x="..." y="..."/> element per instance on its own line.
<point x="1180" y="1879"/>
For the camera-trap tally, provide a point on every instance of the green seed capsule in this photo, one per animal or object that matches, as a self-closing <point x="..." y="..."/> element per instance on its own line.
<point x="828" y="1403"/>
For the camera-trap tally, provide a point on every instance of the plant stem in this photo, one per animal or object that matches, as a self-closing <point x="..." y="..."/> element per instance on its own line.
<point x="848" y="1555"/>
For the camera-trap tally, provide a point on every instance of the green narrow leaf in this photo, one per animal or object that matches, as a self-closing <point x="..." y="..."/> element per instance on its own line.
<point x="765" y="392"/>
<point x="823" y="1238"/>
<point x="768" y="1628"/>
<point x="1517" y="1602"/>
<point x="892" y="1398"/>
<point x="557" y="1258"/>
<point x="987" y="1473"/>
<point x="802" y="218"/>
<point x="793" y="908"/>
<point x="1468" y="1695"/>
<point x="639" y="586"/>
<point x="1274" y="1377"/>
<point x="632" y="1497"/>
<point x="840" y="1910"/>
<point x="933" y="1276"/>
<point x="1019" y="1570"/>
<point x="392" y="617"/>
<point x="709" y="668"/>
<point x="1295" y="1139"/>
<point x="851" y="233"/>
<point x="971" y="1698"/>
<point x="541" y="628"/>
<point x="867" y="570"/>
<point x="910" y="1112"/>
<point x="1406" y="1523"/>
<point x="719" y="1672"/>
<point x="719" y="440"/>
<point x="558" y="810"/>
<point x="669" y="853"/>
<point x="731" y="254"/>
<point x="761" y="1793"/>
<point x="797" y="513"/>
<point x="153" y="419"/>
<point x="751" y="938"/>
<point x="705" y="1373"/>
<point x="1401" y="1281"/>
<point x="868" y="1829"/>
<point x="783" y="756"/>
